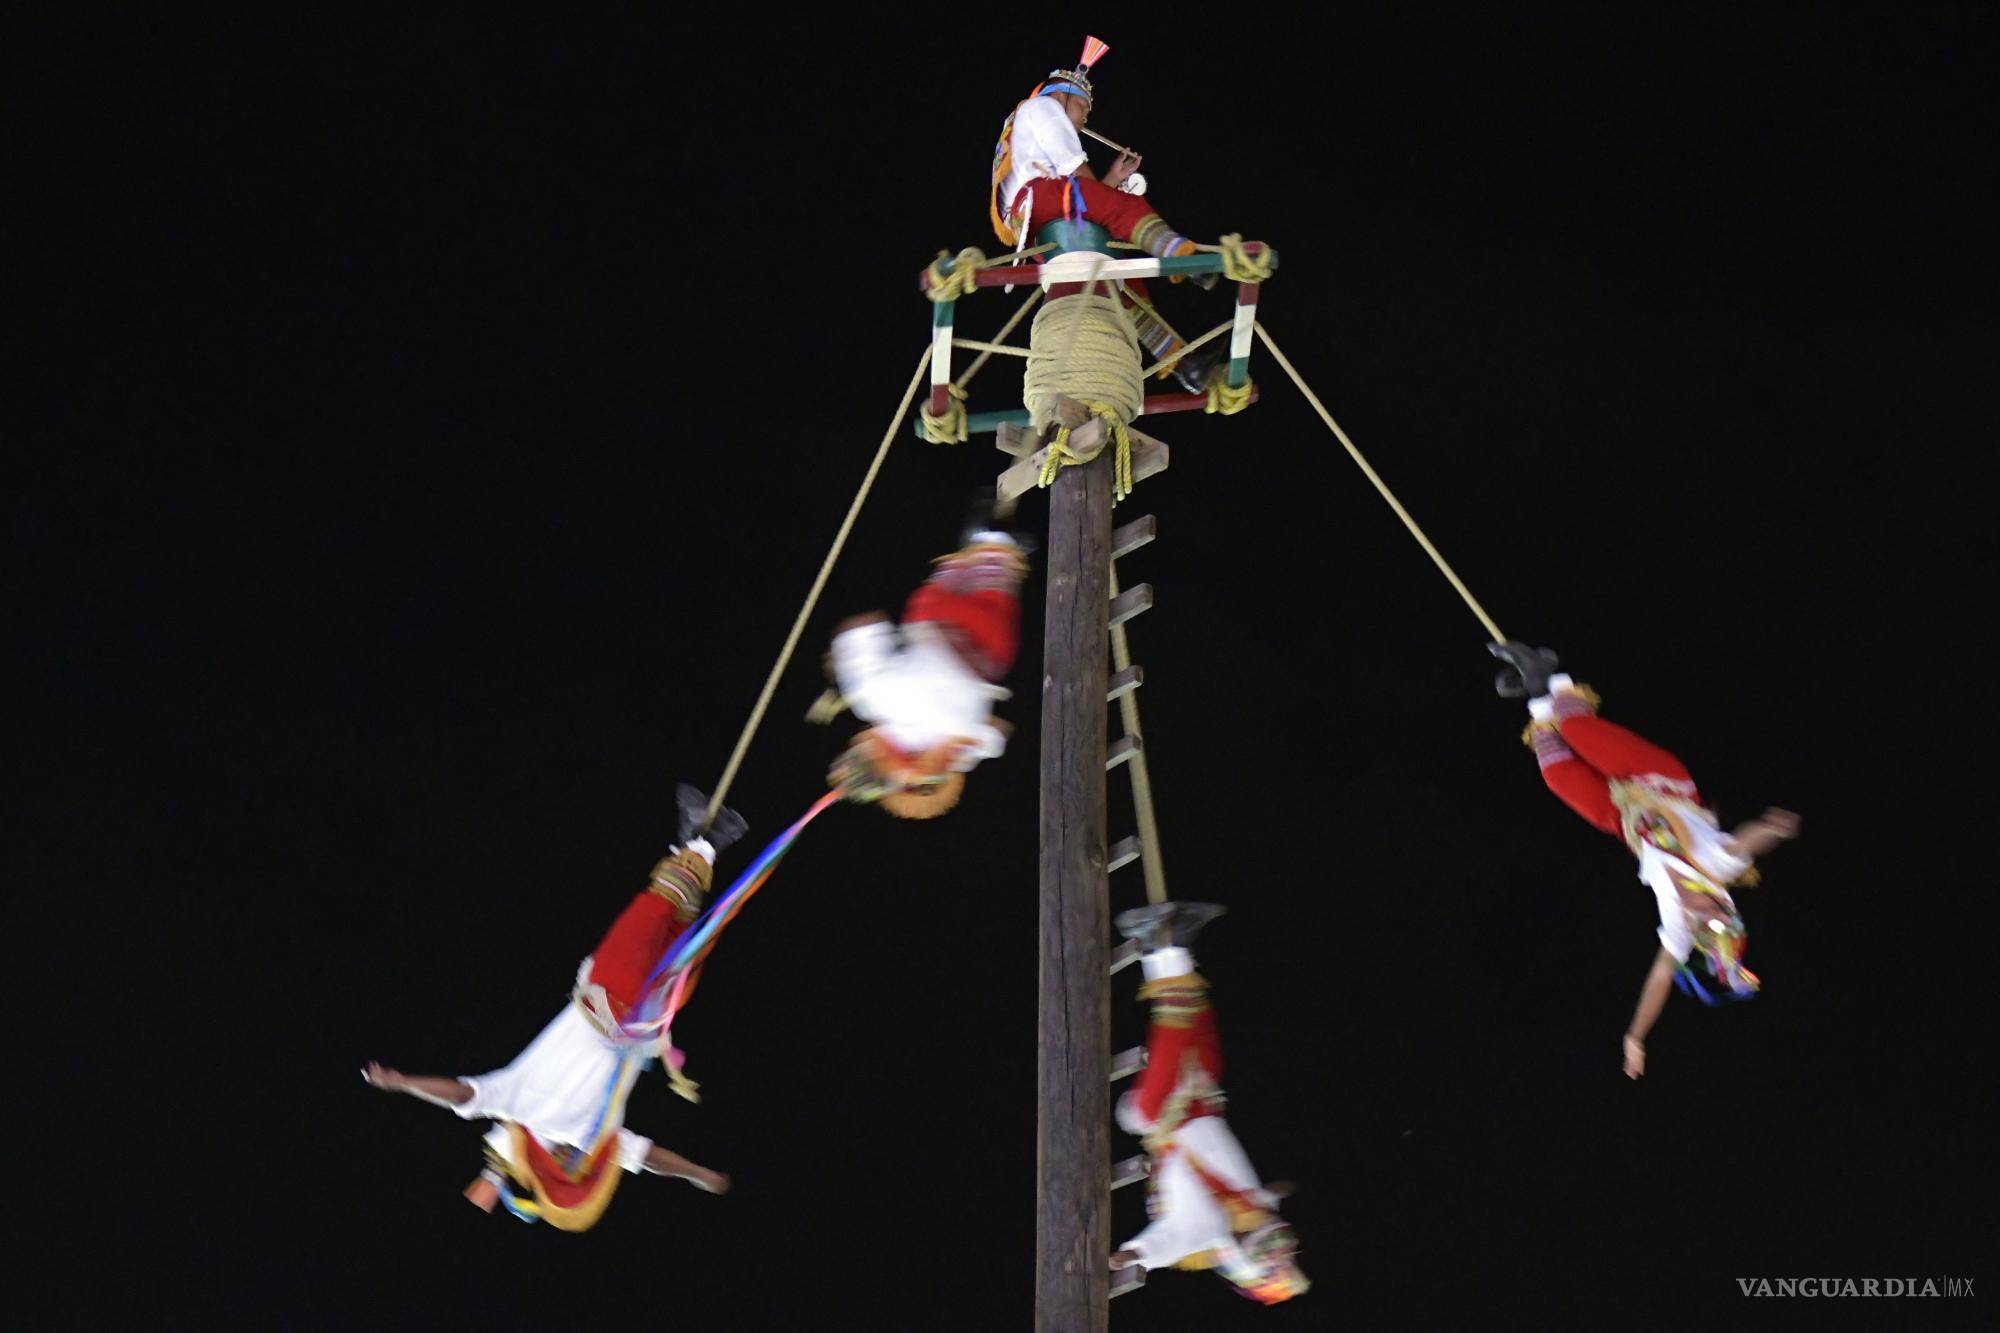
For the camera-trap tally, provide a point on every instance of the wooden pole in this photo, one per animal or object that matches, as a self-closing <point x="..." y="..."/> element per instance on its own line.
<point x="1073" y="1117"/>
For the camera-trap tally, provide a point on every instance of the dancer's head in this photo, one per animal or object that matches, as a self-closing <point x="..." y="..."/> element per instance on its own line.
<point x="1269" y="1272"/>
<point x="1072" y="86"/>
<point x="909" y="786"/>
<point x="1714" y="972"/>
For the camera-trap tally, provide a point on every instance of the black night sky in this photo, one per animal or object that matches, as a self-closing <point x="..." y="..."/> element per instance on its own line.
<point x="425" y="428"/>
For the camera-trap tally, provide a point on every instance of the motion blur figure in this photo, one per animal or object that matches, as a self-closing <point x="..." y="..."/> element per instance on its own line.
<point x="558" y="1142"/>
<point x="1208" y="1207"/>
<point x="927" y="686"/>
<point x="1630" y="788"/>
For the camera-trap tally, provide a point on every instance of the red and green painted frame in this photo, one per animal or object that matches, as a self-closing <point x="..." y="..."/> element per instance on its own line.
<point x="1082" y="253"/>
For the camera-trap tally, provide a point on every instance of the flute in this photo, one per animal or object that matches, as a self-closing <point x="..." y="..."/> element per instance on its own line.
<point x="1108" y="143"/>
<point x="1132" y="184"/>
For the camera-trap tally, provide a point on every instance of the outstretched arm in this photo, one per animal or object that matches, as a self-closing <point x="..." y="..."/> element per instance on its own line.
<point x="661" y="1162"/>
<point x="1766" y="831"/>
<point x="437" y="1091"/>
<point x="1652" y="999"/>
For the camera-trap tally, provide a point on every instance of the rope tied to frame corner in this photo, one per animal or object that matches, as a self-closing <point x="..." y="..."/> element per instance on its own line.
<point x="1226" y="400"/>
<point x="818" y="585"/>
<point x="1382" y="487"/>
<point x="949" y="426"/>
<point x="1238" y="264"/>
<point x="952" y="276"/>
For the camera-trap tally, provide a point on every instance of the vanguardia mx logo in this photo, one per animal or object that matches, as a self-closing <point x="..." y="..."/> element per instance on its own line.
<point x="1855" y="1286"/>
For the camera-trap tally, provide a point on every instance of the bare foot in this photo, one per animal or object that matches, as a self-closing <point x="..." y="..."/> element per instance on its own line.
<point x="1784" y="823"/>
<point x="712" y="1181"/>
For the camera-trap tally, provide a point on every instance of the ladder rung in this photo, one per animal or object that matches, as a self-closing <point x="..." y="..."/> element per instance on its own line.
<point x="1122" y="749"/>
<point x="1127" y="1280"/>
<point x="1125" y="955"/>
<point x="1133" y="535"/>
<point x="1123" y="853"/>
<point x="1126" y="681"/>
<point x="1137" y="598"/>
<point x="1127" y="1063"/>
<point x="1131" y="1171"/>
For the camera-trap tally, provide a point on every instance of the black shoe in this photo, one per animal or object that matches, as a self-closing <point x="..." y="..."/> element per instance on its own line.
<point x="1189" y="918"/>
<point x="986" y="516"/>
<point x="980" y="518"/>
<point x="1194" y="369"/>
<point x="1527" y="672"/>
<point x="1149" y="927"/>
<point x="1160" y="925"/>
<point x="725" y="829"/>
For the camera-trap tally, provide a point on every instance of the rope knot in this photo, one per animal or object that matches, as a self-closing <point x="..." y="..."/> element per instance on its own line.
<point x="953" y="276"/>
<point x="1239" y="265"/>
<point x="1223" y="399"/>
<point x="948" y="426"/>
<point x="1060" y="455"/>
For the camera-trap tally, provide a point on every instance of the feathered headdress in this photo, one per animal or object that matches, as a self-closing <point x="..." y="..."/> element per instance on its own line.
<point x="1078" y="79"/>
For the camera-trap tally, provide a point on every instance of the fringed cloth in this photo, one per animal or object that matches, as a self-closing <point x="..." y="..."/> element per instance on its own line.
<point x="569" y="1190"/>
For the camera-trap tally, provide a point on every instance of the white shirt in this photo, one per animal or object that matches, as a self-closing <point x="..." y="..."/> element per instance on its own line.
<point x="1708" y="858"/>
<point x="1190" y="1219"/>
<point x="916" y="690"/>
<point x="1045" y="143"/>
<point x="555" y="1089"/>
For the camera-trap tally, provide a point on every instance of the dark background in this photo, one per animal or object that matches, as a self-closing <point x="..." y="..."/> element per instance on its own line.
<point x="430" y="425"/>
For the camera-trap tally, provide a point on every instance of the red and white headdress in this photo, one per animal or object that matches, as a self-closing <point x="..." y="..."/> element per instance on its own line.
<point x="1076" y="80"/>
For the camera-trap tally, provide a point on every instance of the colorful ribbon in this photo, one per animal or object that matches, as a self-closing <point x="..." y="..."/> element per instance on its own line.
<point x="694" y="943"/>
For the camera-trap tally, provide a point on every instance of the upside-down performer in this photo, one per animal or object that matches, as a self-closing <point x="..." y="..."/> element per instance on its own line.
<point x="559" y="1144"/>
<point x="1041" y="173"/>
<point x="1632" y="789"/>
<point x="1208" y="1208"/>
<point x="927" y="686"/>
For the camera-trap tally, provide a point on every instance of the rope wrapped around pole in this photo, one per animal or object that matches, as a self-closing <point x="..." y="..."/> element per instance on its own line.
<point x="1083" y="347"/>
